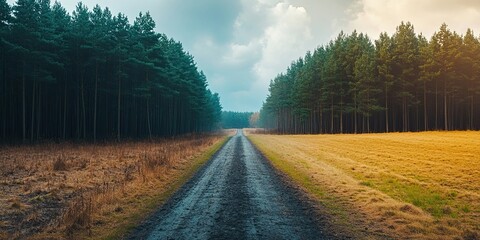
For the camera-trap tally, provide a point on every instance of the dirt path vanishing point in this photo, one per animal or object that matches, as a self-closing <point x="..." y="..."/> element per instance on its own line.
<point x="236" y="195"/>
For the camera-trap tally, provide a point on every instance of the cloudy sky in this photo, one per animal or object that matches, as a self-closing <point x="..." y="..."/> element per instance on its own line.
<point x="242" y="44"/>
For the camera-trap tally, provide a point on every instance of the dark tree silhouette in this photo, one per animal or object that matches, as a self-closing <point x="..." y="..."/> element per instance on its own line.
<point x="92" y="75"/>
<point x="399" y="83"/>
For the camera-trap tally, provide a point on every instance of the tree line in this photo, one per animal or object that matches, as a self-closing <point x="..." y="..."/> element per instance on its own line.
<point x="236" y="119"/>
<point x="93" y="75"/>
<point x="402" y="82"/>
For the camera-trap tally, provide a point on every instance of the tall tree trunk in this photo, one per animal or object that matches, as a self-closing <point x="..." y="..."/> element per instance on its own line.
<point x="77" y="109"/>
<point x="4" y="127"/>
<point x="386" y="108"/>
<point x="368" y="112"/>
<point x="58" y="102"/>
<point x="32" y="120"/>
<point x="23" y="103"/>
<point x="436" y="104"/>
<point x="368" y="123"/>
<point x="84" y="118"/>
<point x="355" y="113"/>
<point x="119" y="100"/>
<point x="135" y="118"/>
<point x="451" y="113"/>
<point x="417" y="113"/>
<point x="331" y="113"/>
<point x="39" y="110"/>
<point x="65" y="109"/>
<point x="425" y="117"/>
<point x="472" y="112"/>
<point x="95" y="104"/>
<point x="58" y="114"/>
<point x="404" y="114"/>
<point x="445" y="104"/>
<point x="341" y="114"/>
<point x="107" y="120"/>
<point x="148" y="120"/>
<point x="363" y="123"/>
<point x="4" y="107"/>
<point x="175" y="117"/>
<point x="321" y="119"/>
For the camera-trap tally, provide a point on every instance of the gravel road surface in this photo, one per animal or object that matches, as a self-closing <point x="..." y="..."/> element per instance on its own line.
<point x="236" y="195"/>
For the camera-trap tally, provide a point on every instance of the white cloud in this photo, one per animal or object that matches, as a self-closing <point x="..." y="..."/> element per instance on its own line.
<point x="284" y="36"/>
<point x="287" y="39"/>
<point x="374" y="17"/>
<point x="241" y="53"/>
<point x="269" y="35"/>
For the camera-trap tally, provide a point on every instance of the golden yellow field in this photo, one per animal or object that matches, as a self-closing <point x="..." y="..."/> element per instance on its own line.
<point x="399" y="185"/>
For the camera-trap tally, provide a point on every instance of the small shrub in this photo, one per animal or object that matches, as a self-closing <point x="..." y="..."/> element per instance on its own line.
<point x="416" y="228"/>
<point x="129" y="173"/>
<point x="389" y="213"/>
<point x="16" y="205"/>
<point x="60" y="164"/>
<point x="78" y="215"/>
<point x="118" y="209"/>
<point x="366" y="183"/>
<point x="407" y="208"/>
<point x="471" y="235"/>
<point x="83" y="164"/>
<point x="447" y="210"/>
<point x="452" y="194"/>
<point x="465" y="209"/>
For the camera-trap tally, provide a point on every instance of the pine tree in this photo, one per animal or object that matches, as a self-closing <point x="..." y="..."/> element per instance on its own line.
<point x="121" y="34"/>
<point x="445" y="49"/>
<point x="426" y="74"/>
<point x="405" y="67"/>
<point x="365" y="86"/>
<point x="384" y="58"/>
<point x="471" y="71"/>
<point x="25" y="29"/>
<point x="62" y="31"/>
<point x="5" y="19"/>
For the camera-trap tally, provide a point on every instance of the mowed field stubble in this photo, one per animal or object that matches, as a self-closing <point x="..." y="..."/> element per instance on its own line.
<point x="399" y="185"/>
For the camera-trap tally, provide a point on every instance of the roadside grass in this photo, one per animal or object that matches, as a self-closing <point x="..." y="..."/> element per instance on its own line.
<point x="431" y="200"/>
<point x="151" y="197"/>
<point x="403" y="185"/>
<point x="306" y="182"/>
<point x="79" y="191"/>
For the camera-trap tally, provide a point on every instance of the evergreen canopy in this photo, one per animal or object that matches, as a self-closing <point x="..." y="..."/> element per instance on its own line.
<point x="93" y="75"/>
<point x="396" y="83"/>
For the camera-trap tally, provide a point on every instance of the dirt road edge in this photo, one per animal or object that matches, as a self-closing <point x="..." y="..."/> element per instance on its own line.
<point x="151" y="203"/>
<point x="338" y="221"/>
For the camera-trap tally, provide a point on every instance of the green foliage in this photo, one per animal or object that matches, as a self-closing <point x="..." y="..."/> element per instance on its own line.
<point x="398" y="83"/>
<point x="235" y="119"/>
<point x="93" y="74"/>
<point x="432" y="201"/>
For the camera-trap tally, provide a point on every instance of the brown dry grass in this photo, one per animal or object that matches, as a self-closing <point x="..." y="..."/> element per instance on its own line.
<point x="400" y="185"/>
<point x="92" y="191"/>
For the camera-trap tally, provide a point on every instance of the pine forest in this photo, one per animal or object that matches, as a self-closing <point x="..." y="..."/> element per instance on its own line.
<point x="94" y="75"/>
<point x="399" y="83"/>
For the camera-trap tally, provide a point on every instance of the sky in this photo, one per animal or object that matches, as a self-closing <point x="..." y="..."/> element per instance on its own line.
<point x="243" y="44"/>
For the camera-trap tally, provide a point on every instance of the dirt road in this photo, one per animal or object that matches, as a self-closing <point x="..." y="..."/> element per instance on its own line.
<point x="237" y="195"/>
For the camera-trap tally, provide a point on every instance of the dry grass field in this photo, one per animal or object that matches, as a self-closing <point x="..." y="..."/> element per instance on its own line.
<point x="59" y="191"/>
<point x="396" y="185"/>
